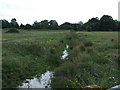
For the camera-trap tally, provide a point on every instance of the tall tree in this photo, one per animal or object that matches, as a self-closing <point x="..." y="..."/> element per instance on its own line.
<point x="66" y="26"/>
<point x="36" y="25"/>
<point x="77" y="27"/>
<point x="53" y="24"/>
<point x="22" y="26"/>
<point x="93" y="20"/>
<point x="92" y="24"/>
<point x="80" y="22"/>
<point x="5" y="23"/>
<point x="44" y="24"/>
<point x="107" y="23"/>
<point x="14" y="23"/>
<point x="118" y="26"/>
<point x="28" y="26"/>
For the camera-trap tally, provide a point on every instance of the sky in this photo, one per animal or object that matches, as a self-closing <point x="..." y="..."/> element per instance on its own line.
<point x="73" y="11"/>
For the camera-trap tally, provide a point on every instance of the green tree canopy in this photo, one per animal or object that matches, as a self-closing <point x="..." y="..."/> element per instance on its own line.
<point x="53" y="24"/>
<point x="5" y="23"/>
<point x="106" y="23"/>
<point x="36" y="25"/>
<point x="14" y="23"/>
<point x="44" y="24"/>
<point x="22" y="26"/>
<point x="66" y="26"/>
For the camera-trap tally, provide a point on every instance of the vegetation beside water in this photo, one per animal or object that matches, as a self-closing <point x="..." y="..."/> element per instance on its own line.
<point x="90" y="62"/>
<point x="93" y="58"/>
<point x="29" y="54"/>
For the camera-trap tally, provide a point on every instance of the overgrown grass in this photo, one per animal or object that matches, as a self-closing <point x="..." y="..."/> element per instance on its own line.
<point x="27" y="58"/>
<point x="88" y="63"/>
<point x="93" y="58"/>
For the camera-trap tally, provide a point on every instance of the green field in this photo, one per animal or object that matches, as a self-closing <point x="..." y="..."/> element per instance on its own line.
<point x="93" y="57"/>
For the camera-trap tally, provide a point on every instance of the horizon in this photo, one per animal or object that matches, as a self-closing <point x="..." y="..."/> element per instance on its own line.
<point x="26" y="12"/>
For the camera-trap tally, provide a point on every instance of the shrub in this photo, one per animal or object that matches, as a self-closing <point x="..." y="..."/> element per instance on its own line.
<point x="67" y="69"/>
<point x="112" y="40"/>
<point x="88" y="43"/>
<point x="82" y="47"/>
<point x="13" y="30"/>
<point x="90" y="50"/>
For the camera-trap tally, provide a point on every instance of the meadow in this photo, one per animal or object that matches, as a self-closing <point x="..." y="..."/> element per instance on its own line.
<point x="92" y="59"/>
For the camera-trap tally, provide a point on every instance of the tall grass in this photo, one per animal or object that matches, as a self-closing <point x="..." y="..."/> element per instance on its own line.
<point x="87" y="64"/>
<point x="27" y="58"/>
<point x="92" y="59"/>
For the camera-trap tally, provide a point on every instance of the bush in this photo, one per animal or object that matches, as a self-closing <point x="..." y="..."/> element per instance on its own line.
<point x="13" y="30"/>
<point x="88" y="43"/>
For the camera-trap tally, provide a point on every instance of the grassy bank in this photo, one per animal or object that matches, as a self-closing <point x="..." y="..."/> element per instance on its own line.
<point x="93" y="58"/>
<point x="29" y="53"/>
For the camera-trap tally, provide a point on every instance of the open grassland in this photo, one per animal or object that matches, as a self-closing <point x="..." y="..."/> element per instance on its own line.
<point x="93" y="57"/>
<point x="34" y="35"/>
<point x="104" y="42"/>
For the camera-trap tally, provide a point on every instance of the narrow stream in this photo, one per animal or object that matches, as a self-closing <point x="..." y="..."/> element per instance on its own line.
<point x="45" y="79"/>
<point x="41" y="82"/>
<point x="65" y="53"/>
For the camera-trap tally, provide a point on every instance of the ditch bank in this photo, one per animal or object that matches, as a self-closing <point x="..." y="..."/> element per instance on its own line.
<point x="44" y="80"/>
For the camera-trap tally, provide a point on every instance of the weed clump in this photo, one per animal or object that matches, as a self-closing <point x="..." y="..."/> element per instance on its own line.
<point x="13" y="30"/>
<point x="112" y="40"/>
<point x="85" y="65"/>
<point x="88" y="43"/>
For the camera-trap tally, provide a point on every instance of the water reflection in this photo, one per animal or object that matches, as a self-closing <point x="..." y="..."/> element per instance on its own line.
<point x="65" y="53"/>
<point x="42" y="82"/>
<point x="45" y="79"/>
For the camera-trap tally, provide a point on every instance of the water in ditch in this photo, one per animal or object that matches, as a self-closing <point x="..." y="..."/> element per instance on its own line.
<point x="45" y="79"/>
<point x="41" y="82"/>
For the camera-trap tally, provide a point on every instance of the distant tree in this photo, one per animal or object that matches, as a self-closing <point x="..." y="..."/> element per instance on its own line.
<point x="44" y="24"/>
<point x="36" y="25"/>
<point x="107" y="23"/>
<point x="77" y="27"/>
<point x="14" y="23"/>
<point x="66" y="26"/>
<point x="80" y="22"/>
<point x="88" y="27"/>
<point x="93" y="20"/>
<point x="53" y="25"/>
<point x="28" y="26"/>
<point x="5" y="23"/>
<point x="92" y="24"/>
<point x="22" y="26"/>
<point x="118" y="26"/>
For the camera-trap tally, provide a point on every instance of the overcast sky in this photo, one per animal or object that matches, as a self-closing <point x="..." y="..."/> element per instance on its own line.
<point x="27" y="11"/>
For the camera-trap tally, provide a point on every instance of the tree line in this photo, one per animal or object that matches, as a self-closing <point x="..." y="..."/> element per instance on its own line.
<point x="105" y="23"/>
